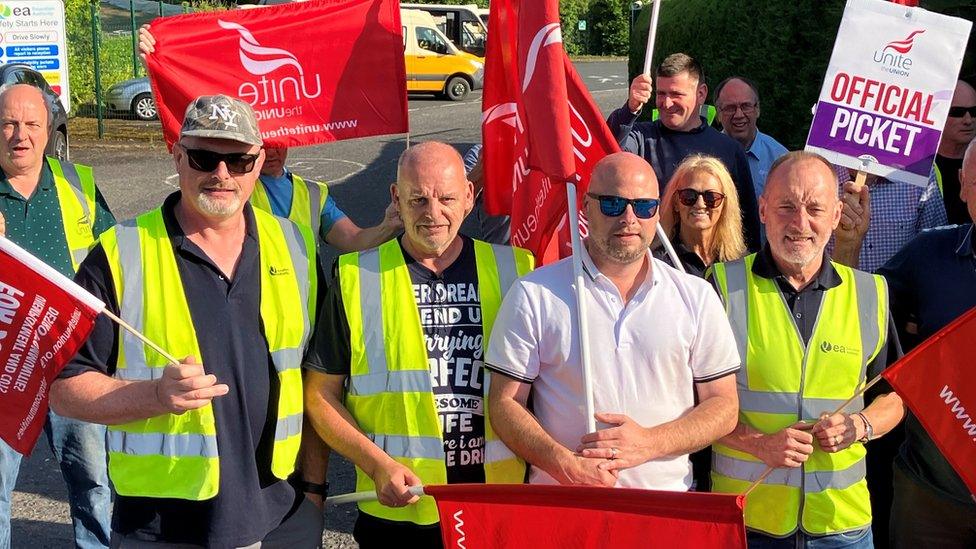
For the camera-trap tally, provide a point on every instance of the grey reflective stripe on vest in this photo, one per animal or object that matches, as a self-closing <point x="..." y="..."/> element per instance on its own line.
<point x="737" y="303"/>
<point x="299" y="259"/>
<point x="815" y="481"/>
<point x="315" y="214"/>
<point x="403" y="446"/>
<point x="398" y="381"/>
<point x="159" y="444"/>
<point x="867" y="307"/>
<point x="288" y="426"/>
<point x="771" y="402"/>
<point x="507" y="270"/>
<point x="130" y="260"/>
<point x="287" y="359"/>
<point x="495" y="450"/>
<point x="371" y="301"/>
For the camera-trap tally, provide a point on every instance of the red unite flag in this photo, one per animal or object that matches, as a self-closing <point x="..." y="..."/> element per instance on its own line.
<point x="540" y="127"/>
<point x="936" y="382"/>
<point x="44" y="320"/>
<point x="531" y="516"/>
<point x="314" y="72"/>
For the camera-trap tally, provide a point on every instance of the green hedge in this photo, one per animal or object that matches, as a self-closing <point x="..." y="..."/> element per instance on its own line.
<point x="782" y="45"/>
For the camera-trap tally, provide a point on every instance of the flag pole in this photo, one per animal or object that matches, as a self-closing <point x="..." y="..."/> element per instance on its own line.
<point x="651" y="37"/>
<point x="648" y="57"/>
<point x="581" y="305"/>
<point x="838" y="410"/>
<point x="141" y="337"/>
<point x="368" y="495"/>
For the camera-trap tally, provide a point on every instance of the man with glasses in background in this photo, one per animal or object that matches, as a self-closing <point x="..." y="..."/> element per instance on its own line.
<point x="657" y="336"/>
<point x="199" y="451"/>
<point x="960" y="129"/>
<point x="737" y="100"/>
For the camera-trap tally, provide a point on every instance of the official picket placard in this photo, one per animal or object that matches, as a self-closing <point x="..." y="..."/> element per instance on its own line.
<point x="33" y="33"/>
<point x="888" y="88"/>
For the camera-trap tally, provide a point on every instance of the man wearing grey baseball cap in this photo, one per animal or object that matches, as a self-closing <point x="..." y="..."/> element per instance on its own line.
<point x="200" y="449"/>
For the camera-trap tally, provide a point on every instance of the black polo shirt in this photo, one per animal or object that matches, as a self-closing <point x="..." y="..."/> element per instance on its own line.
<point x="689" y="259"/>
<point x="932" y="282"/>
<point x="804" y="305"/>
<point x="226" y="314"/>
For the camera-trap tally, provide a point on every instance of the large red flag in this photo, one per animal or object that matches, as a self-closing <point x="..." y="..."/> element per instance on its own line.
<point x="936" y="381"/>
<point x="529" y="516"/>
<point x="540" y="126"/>
<point x="44" y="320"/>
<point x="317" y="71"/>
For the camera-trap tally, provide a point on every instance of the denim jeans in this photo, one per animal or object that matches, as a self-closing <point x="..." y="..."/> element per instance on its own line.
<point x="858" y="539"/>
<point x="79" y="448"/>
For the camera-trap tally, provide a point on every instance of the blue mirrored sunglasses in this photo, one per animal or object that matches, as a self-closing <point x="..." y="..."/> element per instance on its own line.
<point x="614" y="206"/>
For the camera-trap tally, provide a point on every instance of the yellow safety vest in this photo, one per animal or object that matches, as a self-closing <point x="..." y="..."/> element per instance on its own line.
<point x="307" y="201"/>
<point x="390" y="393"/>
<point x="175" y="456"/>
<point x="75" y="186"/>
<point x="783" y="381"/>
<point x="938" y="178"/>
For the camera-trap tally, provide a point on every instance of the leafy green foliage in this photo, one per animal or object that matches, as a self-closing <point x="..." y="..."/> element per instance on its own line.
<point x="610" y="20"/>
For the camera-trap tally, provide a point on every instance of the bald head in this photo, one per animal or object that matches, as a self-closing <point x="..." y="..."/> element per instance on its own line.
<point x="433" y="196"/>
<point x="25" y="118"/>
<point x="967" y="180"/>
<point x="620" y="168"/>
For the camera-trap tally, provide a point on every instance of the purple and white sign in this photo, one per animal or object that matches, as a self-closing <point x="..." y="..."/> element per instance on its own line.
<point x="888" y="88"/>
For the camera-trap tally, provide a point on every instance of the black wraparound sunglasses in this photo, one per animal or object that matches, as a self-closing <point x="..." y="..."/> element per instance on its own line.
<point x="203" y="160"/>
<point x="959" y="112"/>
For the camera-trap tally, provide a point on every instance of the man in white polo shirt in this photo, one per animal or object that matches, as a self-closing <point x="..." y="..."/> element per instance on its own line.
<point x="657" y="336"/>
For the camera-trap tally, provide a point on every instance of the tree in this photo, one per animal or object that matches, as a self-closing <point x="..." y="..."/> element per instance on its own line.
<point x="609" y="20"/>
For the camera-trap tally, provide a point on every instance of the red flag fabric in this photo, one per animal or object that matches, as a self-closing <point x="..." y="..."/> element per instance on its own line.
<point x="530" y="516"/>
<point x="44" y="320"/>
<point x="540" y="127"/>
<point x="936" y="382"/>
<point x="314" y="72"/>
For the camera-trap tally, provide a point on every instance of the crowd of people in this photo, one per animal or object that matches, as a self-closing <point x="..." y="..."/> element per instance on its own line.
<point x="425" y="356"/>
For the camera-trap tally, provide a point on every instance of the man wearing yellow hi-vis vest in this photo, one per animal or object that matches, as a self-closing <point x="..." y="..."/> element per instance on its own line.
<point x="396" y="380"/>
<point x="286" y="194"/>
<point x="54" y="210"/>
<point x="810" y="332"/>
<point x="200" y="451"/>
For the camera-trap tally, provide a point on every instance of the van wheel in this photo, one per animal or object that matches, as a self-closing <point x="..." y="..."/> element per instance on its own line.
<point x="457" y="88"/>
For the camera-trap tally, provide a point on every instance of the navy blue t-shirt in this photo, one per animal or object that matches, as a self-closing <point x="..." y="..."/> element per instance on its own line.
<point x="226" y="314"/>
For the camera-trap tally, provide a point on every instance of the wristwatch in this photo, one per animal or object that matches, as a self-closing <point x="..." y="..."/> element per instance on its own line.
<point x="868" y="429"/>
<point x="312" y="487"/>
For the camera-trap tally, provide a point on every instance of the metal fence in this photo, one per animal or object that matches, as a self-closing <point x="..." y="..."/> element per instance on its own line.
<point x="111" y="95"/>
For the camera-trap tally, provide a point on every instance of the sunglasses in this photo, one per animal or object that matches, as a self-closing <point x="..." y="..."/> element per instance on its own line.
<point x="959" y="112"/>
<point x="203" y="160"/>
<point x="614" y="206"/>
<point x="689" y="197"/>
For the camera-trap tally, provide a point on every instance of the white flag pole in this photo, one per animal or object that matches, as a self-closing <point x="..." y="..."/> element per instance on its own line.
<point x="648" y="57"/>
<point x="368" y="495"/>
<point x="581" y="306"/>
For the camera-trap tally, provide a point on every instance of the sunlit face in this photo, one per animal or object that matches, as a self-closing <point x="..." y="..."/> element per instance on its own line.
<point x="623" y="239"/>
<point x="24" y="118"/>
<point x="433" y="198"/>
<point x="679" y="99"/>
<point x="961" y="129"/>
<point x="800" y="209"/>
<point x="274" y="161"/>
<point x="967" y="184"/>
<point x="219" y="193"/>
<point x="738" y="110"/>
<point x="698" y="216"/>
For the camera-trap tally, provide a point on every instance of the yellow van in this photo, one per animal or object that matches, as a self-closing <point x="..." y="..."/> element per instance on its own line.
<point x="434" y="63"/>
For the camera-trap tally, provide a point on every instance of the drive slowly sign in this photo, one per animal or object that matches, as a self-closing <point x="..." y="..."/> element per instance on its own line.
<point x="33" y="33"/>
<point x="888" y="88"/>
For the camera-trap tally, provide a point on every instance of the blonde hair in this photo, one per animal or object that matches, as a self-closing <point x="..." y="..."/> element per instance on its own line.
<point x="728" y="243"/>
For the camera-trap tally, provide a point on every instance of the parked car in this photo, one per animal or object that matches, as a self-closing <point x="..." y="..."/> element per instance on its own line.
<point x="57" y="142"/>
<point x="132" y="96"/>
<point x="435" y="64"/>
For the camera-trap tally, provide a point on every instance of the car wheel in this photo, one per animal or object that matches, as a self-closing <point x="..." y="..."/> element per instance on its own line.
<point x="144" y="107"/>
<point x="457" y="88"/>
<point x="59" y="146"/>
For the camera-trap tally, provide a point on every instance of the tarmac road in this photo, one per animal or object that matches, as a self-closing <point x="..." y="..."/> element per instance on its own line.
<point x="137" y="176"/>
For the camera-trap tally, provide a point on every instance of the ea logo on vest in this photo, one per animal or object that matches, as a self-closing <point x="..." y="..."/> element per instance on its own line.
<point x="829" y="347"/>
